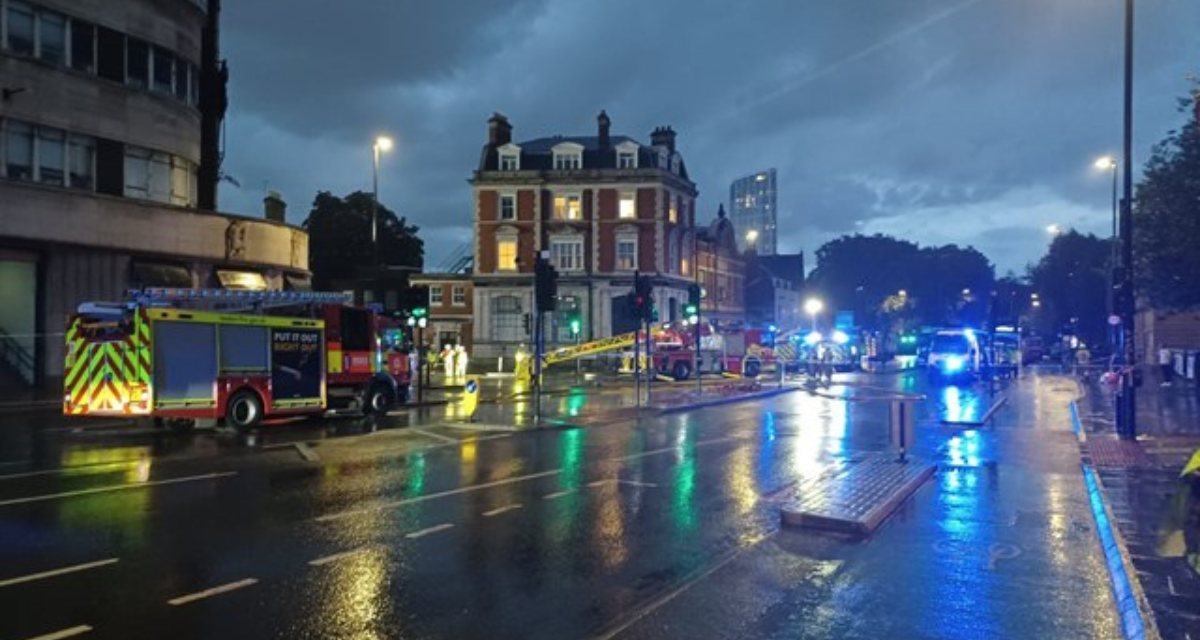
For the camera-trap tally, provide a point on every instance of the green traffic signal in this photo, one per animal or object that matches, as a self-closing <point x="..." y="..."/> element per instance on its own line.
<point x="575" y="326"/>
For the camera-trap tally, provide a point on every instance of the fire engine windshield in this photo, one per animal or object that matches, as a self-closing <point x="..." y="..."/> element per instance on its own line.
<point x="951" y="343"/>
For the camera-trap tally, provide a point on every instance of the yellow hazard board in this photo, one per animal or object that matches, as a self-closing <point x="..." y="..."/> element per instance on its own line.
<point x="470" y="399"/>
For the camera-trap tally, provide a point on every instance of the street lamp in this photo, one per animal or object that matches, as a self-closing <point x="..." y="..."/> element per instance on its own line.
<point x="1054" y="229"/>
<point x="751" y="239"/>
<point x="383" y="144"/>
<point x="1109" y="163"/>
<point x="813" y="306"/>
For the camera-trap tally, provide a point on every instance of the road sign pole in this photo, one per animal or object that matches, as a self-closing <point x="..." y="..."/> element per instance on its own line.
<point x="651" y="366"/>
<point x="637" y="365"/>
<point x="537" y="367"/>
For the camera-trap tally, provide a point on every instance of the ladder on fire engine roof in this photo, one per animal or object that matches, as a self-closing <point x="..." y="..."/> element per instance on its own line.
<point x="231" y="299"/>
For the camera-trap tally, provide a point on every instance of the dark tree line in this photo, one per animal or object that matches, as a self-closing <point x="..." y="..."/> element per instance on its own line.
<point x="339" y="245"/>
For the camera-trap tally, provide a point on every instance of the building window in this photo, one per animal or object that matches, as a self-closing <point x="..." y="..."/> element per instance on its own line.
<point x="52" y="37"/>
<point x="137" y="64"/>
<point x="510" y="162"/>
<point x="51" y="156"/>
<point x="164" y="70"/>
<point x="147" y="175"/>
<point x="183" y="190"/>
<point x="672" y="208"/>
<point x="506" y="319"/>
<point x="568" y="160"/>
<point x="18" y="156"/>
<point x="672" y="253"/>
<point x="20" y="28"/>
<point x="627" y="206"/>
<point x="435" y="295"/>
<point x="567" y="207"/>
<point x="81" y="153"/>
<point x="627" y="253"/>
<point x="683" y="267"/>
<point x="181" y="80"/>
<point x="566" y="254"/>
<point x="626" y="159"/>
<point x="83" y="46"/>
<point x="458" y="296"/>
<point x="506" y="254"/>
<point x="508" y="206"/>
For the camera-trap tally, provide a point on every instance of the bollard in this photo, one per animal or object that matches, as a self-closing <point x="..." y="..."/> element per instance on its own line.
<point x="902" y="423"/>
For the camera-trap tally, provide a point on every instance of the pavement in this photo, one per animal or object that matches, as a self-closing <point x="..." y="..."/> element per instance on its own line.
<point x="612" y="523"/>
<point x="1157" y="513"/>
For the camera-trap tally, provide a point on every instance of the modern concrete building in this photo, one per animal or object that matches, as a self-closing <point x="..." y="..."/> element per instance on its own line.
<point x="753" y="208"/>
<point x="109" y="111"/>
<point x="603" y="207"/>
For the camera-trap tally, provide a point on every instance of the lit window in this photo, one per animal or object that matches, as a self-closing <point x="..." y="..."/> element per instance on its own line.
<point x="81" y="151"/>
<point x="568" y="160"/>
<point x="435" y="295"/>
<point x="627" y="253"/>
<point x="683" y="267"/>
<point x="20" y="28"/>
<point x="627" y="206"/>
<point x="52" y="32"/>
<point x="567" y="254"/>
<point x="672" y="208"/>
<point x="508" y="206"/>
<point x="164" y="67"/>
<point x="18" y="158"/>
<point x="83" y="46"/>
<point x="567" y="207"/>
<point x="506" y="254"/>
<point x="458" y="296"/>
<point x="137" y="64"/>
<point x="182" y="193"/>
<point x="510" y="162"/>
<point x="626" y="159"/>
<point x="51" y="156"/>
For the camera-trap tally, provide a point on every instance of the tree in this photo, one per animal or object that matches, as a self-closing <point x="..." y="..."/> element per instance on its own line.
<point x="1071" y="281"/>
<point x="339" y="245"/>
<point x="1167" y="219"/>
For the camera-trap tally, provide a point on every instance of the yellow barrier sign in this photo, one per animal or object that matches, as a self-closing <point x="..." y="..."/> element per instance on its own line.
<point x="470" y="397"/>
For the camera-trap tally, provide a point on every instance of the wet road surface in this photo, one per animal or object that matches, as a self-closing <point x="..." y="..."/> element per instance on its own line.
<point x="658" y="526"/>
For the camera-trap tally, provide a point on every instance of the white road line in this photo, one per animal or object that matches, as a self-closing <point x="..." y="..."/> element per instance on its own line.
<point x="435" y="436"/>
<point x="338" y="556"/>
<point x="120" y="487"/>
<point x="13" y="463"/>
<point x="208" y="593"/>
<point x="433" y="496"/>
<point x="499" y="483"/>
<point x="557" y="494"/>
<point x="57" y="572"/>
<point x="601" y="483"/>
<point x="94" y="468"/>
<point x="636" y="483"/>
<point x="500" y="510"/>
<point x="424" y="532"/>
<point x="65" y="633"/>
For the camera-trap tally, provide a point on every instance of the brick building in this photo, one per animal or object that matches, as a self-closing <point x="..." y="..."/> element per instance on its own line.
<point x="451" y="305"/>
<point x="602" y="206"/>
<point x="722" y="272"/>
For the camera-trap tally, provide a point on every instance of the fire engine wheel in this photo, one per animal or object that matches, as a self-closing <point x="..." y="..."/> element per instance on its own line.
<point x="378" y="399"/>
<point x="244" y="410"/>
<point x="681" y="371"/>
<point x="752" y="368"/>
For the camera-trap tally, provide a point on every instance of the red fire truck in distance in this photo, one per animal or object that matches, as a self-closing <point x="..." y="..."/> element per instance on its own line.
<point x="179" y="355"/>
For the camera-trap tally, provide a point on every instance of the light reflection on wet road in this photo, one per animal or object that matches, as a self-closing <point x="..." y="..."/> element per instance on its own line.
<point x="657" y="527"/>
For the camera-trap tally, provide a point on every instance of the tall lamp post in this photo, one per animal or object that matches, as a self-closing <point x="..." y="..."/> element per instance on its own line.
<point x="813" y="306"/>
<point x="383" y="144"/>
<point x="1109" y="163"/>
<point x="1127" y="403"/>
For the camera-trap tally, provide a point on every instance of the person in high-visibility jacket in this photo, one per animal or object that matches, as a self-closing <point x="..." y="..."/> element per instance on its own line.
<point x="1180" y="531"/>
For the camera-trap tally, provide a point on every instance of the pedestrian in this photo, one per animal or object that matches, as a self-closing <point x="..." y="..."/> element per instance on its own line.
<point x="827" y="364"/>
<point x="1165" y="362"/>
<point x="460" y="361"/>
<point x="448" y="361"/>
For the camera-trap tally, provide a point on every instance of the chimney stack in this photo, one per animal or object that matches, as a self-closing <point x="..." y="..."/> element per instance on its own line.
<point x="663" y="137"/>
<point x="499" y="130"/>
<point x="274" y="207"/>
<point x="604" y="124"/>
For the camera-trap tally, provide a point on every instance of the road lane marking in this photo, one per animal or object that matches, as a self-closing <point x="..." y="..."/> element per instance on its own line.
<point x="433" y="496"/>
<point x="65" y="633"/>
<point x="601" y="483"/>
<point x="499" y="510"/>
<point x="619" y="481"/>
<point x="306" y="452"/>
<point x="57" y="572"/>
<point x="119" y="487"/>
<point x="424" y="532"/>
<point x="337" y="556"/>
<point x="499" y="483"/>
<point x="95" y="468"/>
<point x="435" y="436"/>
<point x="215" y="591"/>
<point x="558" y="494"/>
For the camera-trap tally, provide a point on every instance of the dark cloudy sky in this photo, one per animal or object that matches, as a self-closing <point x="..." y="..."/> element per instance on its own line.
<point x="974" y="122"/>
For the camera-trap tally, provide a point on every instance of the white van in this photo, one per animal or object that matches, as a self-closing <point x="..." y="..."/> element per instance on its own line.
<point x="955" y="353"/>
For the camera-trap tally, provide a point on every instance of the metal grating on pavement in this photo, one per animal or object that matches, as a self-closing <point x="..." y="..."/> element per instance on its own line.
<point x="1117" y="453"/>
<point x="860" y="498"/>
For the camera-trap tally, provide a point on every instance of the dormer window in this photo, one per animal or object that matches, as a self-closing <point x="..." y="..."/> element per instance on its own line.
<point x="568" y="156"/>
<point x="627" y="155"/>
<point x="510" y="157"/>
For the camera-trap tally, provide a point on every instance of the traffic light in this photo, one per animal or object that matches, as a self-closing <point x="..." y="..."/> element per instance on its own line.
<point x="527" y="319"/>
<point x="420" y="317"/>
<point x="545" y="285"/>
<point x="575" y="325"/>
<point x="691" y="311"/>
<point x="642" y="305"/>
